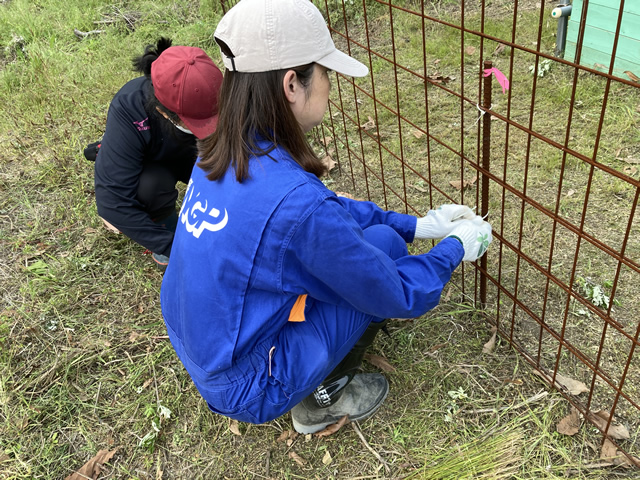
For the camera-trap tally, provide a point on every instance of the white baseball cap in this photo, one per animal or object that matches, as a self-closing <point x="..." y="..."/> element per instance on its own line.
<point x="265" y="35"/>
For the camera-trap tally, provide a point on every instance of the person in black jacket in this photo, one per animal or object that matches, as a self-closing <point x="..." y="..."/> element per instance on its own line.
<point x="149" y="143"/>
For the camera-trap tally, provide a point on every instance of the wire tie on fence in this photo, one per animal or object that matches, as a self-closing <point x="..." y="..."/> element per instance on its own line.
<point x="482" y="112"/>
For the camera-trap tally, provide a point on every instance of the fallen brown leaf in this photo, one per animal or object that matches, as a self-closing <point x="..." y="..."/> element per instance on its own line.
<point x="331" y="429"/>
<point x="437" y="347"/>
<point x="575" y="387"/>
<point x="491" y="344"/>
<point x="417" y="133"/>
<point x="371" y="124"/>
<point x="632" y="160"/>
<point x="499" y="49"/>
<point x="297" y="458"/>
<point x="380" y="362"/>
<point x="447" y="296"/>
<point x="470" y="50"/>
<point x="147" y="383"/>
<point x="438" y="78"/>
<point x="420" y="189"/>
<point x="570" y="425"/>
<point x="93" y="467"/>
<point x="570" y="192"/>
<point x="632" y="76"/>
<point x="631" y="171"/>
<point x="235" y="428"/>
<point x="601" y="417"/>
<point x="610" y="452"/>
<point x="327" y="140"/>
<point x="459" y="185"/>
<point x="328" y="162"/>
<point x="326" y="460"/>
<point x="287" y="434"/>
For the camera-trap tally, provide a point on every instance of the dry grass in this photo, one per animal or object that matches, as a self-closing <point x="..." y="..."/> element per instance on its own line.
<point x="84" y="361"/>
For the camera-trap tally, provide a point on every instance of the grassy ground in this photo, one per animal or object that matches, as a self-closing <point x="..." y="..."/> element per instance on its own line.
<point x="85" y="364"/>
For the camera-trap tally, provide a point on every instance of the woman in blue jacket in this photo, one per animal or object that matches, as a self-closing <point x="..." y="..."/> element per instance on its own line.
<point x="276" y="286"/>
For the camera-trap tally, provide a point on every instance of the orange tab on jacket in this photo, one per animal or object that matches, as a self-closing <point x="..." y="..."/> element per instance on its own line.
<point x="297" y="311"/>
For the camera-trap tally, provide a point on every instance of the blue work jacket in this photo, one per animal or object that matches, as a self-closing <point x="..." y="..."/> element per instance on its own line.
<point x="245" y="253"/>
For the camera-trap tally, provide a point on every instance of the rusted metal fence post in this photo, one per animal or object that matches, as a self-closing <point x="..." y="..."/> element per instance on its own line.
<point x="486" y="161"/>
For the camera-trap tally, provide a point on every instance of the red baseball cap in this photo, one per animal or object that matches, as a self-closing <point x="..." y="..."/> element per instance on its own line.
<point x="186" y="81"/>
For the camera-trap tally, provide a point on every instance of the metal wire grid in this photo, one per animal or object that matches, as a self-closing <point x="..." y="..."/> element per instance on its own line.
<point x="525" y="294"/>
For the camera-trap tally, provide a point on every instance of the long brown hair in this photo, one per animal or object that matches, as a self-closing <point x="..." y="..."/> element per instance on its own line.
<point x="250" y="106"/>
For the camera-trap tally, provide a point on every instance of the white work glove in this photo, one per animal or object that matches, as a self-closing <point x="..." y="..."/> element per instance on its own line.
<point x="439" y="223"/>
<point x="475" y="236"/>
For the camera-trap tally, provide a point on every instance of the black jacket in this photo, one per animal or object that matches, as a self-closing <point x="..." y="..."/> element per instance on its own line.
<point x="134" y="137"/>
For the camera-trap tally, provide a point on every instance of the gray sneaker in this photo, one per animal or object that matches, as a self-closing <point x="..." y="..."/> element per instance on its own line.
<point x="361" y="398"/>
<point x="161" y="261"/>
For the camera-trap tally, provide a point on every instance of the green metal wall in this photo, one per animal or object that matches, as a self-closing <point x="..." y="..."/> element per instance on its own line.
<point x="597" y="46"/>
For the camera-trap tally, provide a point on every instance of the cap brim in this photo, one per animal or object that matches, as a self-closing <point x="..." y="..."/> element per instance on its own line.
<point x="200" y="127"/>
<point x="342" y="63"/>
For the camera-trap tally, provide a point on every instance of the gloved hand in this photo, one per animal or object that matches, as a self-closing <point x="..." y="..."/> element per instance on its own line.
<point x="475" y="236"/>
<point x="439" y="223"/>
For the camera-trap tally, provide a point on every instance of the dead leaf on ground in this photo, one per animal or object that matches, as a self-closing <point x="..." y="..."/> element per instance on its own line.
<point x="631" y="171"/>
<point x="234" y="426"/>
<point x="611" y="453"/>
<point x="326" y="460"/>
<point x="134" y="336"/>
<point x="417" y="133"/>
<point x="297" y="458"/>
<point x="632" y="76"/>
<point x="632" y="160"/>
<point x="601" y="417"/>
<point x="447" y="296"/>
<point x="326" y="140"/>
<point x="93" y="467"/>
<point x="370" y="125"/>
<point x="470" y="50"/>
<point x="438" y="78"/>
<point x="491" y="344"/>
<point x="286" y="435"/>
<point x="331" y="429"/>
<point x="499" y="49"/>
<point x="459" y="184"/>
<point x="570" y="192"/>
<point x="420" y="189"/>
<point x="380" y="362"/>
<point x="570" y="425"/>
<point x="328" y="162"/>
<point x="146" y="383"/>
<point x="575" y="387"/>
<point x="437" y="347"/>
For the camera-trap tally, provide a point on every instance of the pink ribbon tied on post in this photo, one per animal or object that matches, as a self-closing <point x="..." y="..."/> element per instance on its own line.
<point x="501" y="77"/>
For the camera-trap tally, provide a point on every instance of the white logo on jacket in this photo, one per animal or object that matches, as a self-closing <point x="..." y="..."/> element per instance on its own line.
<point x="200" y="214"/>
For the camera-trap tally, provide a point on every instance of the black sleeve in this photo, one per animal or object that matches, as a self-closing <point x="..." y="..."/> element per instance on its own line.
<point x="117" y="172"/>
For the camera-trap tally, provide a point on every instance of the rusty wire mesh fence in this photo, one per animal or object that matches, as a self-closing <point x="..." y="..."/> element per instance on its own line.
<point x="553" y="160"/>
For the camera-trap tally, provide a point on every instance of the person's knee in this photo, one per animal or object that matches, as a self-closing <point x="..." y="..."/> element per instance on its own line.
<point x="386" y="239"/>
<point x="157" y="189"/>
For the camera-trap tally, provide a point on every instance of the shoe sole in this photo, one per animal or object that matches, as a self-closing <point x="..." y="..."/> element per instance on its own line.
<point x="307" y="429"/>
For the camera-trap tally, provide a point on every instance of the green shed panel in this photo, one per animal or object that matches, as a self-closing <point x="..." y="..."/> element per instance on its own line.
<point x="600" y="29"/>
